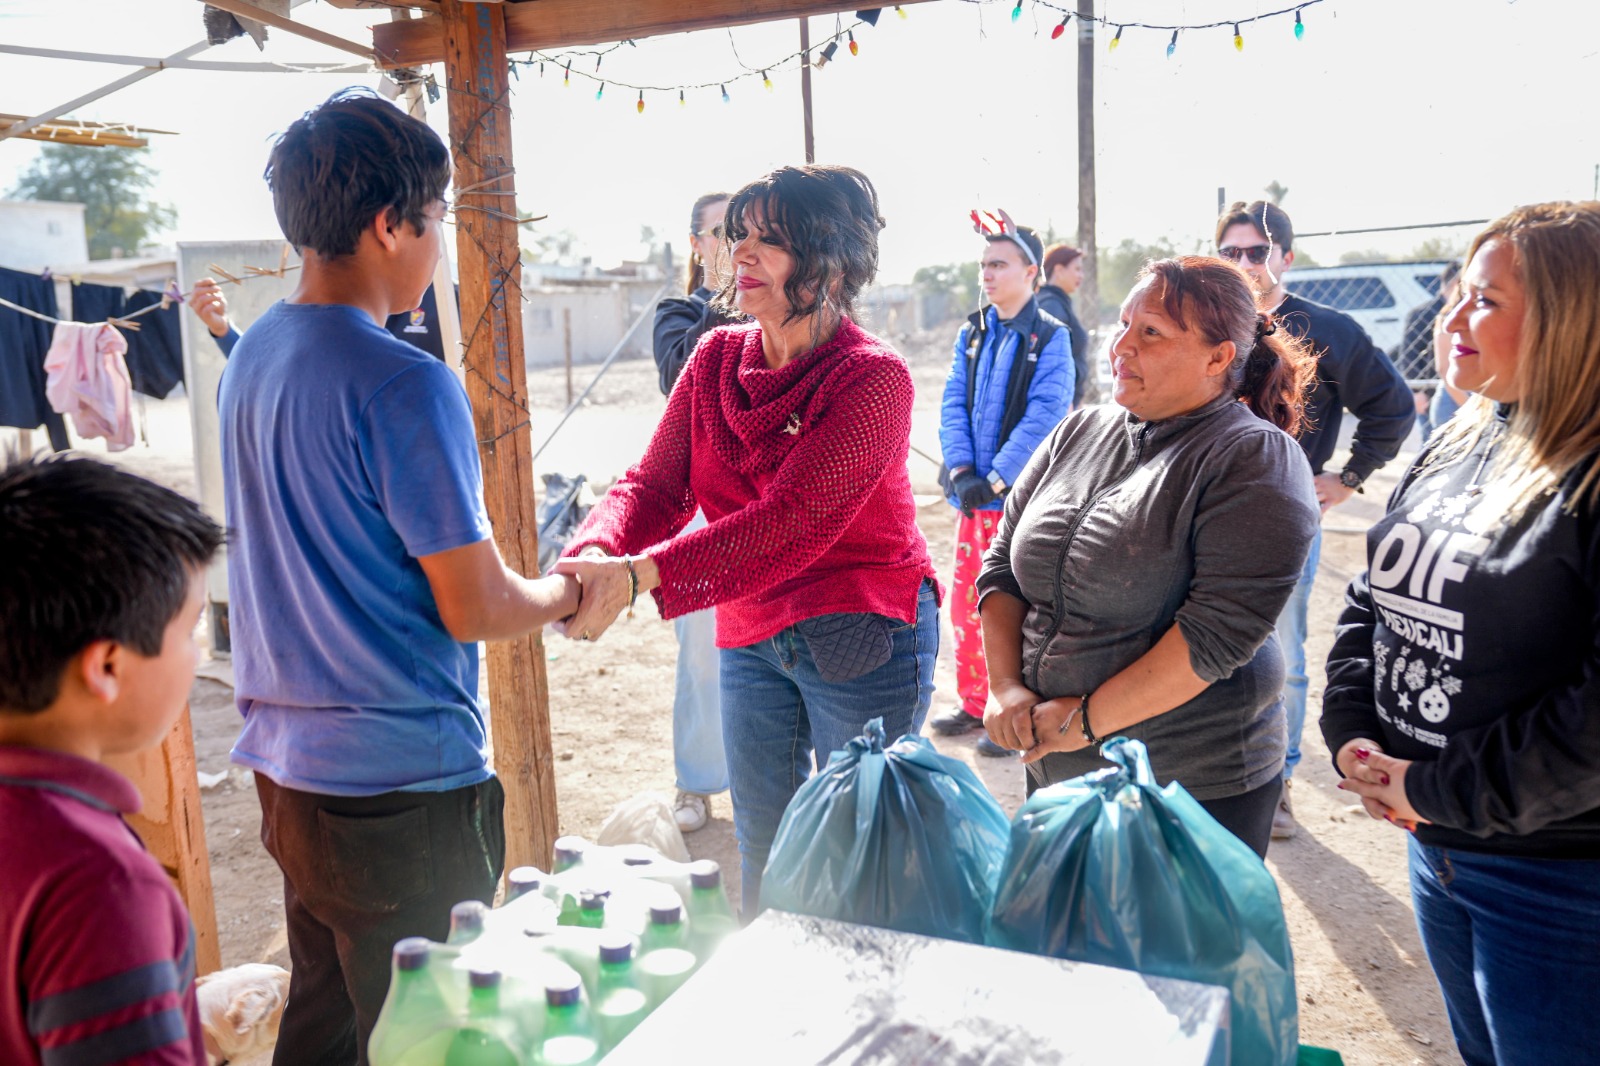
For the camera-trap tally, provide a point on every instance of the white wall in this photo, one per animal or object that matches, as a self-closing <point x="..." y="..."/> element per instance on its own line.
<point x="35" y="234"/>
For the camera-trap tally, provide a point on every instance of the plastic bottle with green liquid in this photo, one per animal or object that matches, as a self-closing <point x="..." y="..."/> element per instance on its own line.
<point x="665" y="961"/>
<point x="417" y="1024"/>
<point x="620" y="1003"/>
<point x="568" y="1036"/>
<point x="711" y="917"/>
<point x="487" y="1037"/>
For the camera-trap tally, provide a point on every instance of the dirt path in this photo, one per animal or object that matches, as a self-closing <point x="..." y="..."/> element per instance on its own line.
<point x="1364" y="984"/>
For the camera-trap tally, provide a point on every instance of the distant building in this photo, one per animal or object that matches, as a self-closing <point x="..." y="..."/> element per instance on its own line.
<point x="35" y="234"/>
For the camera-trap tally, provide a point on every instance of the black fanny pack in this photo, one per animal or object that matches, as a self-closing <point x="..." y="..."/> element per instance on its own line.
<point x="847" y="646"/>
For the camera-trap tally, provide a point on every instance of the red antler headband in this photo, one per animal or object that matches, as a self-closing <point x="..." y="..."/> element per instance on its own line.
<point x="997" y="223"/>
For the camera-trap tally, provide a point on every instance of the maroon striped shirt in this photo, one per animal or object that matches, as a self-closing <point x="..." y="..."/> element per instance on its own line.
<point x="99" y="951"/>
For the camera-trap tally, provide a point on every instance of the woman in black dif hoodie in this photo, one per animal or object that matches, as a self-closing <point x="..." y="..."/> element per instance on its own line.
<point x="1463" y="697"/>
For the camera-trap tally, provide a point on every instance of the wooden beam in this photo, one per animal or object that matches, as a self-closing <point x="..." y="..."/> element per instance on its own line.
<point x="245" y="9"/>
<point x="489" y="254"/>
<point x="174" y="831"/>
<point x="89" y="134"/>
<point x="19" y="128"/>
<point x="566" y="23"/>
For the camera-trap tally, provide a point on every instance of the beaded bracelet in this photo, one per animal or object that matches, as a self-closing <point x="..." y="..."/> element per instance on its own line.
<point x="633" y="583"/>
<point x="1083" y="721"/>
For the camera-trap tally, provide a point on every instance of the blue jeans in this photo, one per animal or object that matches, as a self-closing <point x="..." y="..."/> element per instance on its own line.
<point x="697" y="706"/>
<point x="778" y="711"/>
<point x="1292" y="637"/>
<point x="1515" y="944"/>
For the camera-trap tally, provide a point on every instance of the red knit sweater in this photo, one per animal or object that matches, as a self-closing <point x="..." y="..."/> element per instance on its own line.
<point x="801" y="472"/>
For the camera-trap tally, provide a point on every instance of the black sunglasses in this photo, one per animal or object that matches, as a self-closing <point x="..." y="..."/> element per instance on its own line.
<point x="1256" y="253"/>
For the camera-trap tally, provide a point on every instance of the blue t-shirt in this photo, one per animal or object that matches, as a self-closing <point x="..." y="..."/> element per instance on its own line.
<point x="346" y="455"/>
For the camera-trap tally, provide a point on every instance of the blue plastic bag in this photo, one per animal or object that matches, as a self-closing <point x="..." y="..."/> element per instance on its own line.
<point x="898" y="837"/>
<point x="1109" y="868"/>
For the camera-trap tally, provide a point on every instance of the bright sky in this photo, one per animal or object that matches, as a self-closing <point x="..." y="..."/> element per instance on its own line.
<point x="1386" y="113"/>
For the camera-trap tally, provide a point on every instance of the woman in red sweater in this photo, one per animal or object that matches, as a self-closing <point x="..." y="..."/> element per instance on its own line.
<point x="791" y="432"/>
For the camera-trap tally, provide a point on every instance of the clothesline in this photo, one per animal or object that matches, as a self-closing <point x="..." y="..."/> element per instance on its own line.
<point x="171" y="296"/>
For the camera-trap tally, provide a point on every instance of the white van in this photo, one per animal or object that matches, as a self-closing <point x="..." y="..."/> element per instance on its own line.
<point x="1379" y="296"/>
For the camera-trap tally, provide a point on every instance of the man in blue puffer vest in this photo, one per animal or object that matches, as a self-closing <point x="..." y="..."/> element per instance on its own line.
<point x="1011" y="382"/>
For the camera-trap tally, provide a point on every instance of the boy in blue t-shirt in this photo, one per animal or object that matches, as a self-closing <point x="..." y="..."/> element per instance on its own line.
<point x="361" y="577"/>
<point x="101" y="586"/>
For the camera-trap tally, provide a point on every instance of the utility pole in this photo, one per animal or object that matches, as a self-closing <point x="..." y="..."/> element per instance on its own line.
<point x="1090" y="301"/>
<point x="805" y="86"/>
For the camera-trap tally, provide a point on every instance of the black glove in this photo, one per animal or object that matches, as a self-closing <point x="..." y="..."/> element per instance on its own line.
<point x="972" y="491"/>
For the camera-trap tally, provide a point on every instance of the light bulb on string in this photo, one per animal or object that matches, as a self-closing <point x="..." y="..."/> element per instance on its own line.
<point x="514" y="75"/>
<point x="1172" y="45"/>
<point x="855" y="49"/>
<point x="1112" y="47"/>
<point x="1016" y="12"/>
<point x="541" y="68"/>
<point x="1299" y="27"/>
<point x="724" y="94"/>
<point x="766" y="82"/>
<point x="566" y="77"/>
<point x="640" y="105"/>
<point x="1238" y="39"/>
<point x="599" y="94"/>
<point x="828" y="52"/>
<point x="898" y="10"/>
<point x="681" y="101"/>
<point x="1062" y="28"/>
<point x="597" y="60"/>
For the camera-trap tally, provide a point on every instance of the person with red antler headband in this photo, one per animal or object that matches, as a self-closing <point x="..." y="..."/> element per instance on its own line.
<point x="1010" y="383"/>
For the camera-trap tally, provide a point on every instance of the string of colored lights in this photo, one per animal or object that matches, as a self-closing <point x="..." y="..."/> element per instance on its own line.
<point x="820" y="55"/>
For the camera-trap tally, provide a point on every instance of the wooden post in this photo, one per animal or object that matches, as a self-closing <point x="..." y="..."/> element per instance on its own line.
<point x="174" y="831"/>
<point x="489" y="255"/>
<point x="566" y="342"/>
<point x="805" y="86"/>
<point x="1089" y="299"/>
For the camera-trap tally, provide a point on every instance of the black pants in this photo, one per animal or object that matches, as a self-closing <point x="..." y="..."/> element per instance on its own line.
<point x="1249" y="816"/>
<point x="359" y="873"/>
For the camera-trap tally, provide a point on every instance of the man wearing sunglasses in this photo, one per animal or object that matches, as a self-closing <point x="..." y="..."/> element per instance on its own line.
<point x="1011" y="382"/>
<point x="1352" y="374"/>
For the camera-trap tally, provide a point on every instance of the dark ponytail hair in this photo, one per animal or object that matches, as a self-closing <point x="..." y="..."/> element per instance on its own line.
<point x="1271" y="370"/>
<point x="697" y="269"/>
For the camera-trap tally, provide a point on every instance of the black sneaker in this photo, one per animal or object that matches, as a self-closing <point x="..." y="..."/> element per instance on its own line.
<point x="991" y="749"/>
<point x="954" y="723"/>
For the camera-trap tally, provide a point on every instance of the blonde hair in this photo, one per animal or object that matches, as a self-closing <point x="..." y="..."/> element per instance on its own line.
<point x="1556" y="423"/>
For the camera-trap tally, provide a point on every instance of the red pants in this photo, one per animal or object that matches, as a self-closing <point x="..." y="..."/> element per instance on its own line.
<point x="973" y="536"/>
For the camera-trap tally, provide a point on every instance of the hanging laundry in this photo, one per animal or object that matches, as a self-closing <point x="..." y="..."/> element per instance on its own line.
<point x="23" y="343"/>
<point x="87" y="378"/>
<point x="155" y="352"/>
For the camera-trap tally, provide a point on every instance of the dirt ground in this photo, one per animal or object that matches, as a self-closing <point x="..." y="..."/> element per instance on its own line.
<point x="1364" y="983"/>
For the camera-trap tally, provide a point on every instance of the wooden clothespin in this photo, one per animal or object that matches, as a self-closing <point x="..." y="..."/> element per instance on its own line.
<point x="224" y="275"/>
<point x="170" y="295"/>
<point x="123" y="323"/>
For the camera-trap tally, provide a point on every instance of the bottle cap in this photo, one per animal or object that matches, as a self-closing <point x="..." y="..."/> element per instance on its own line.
<point x="570" y="849"/>
<point x="484" y="978"/>
<point x="522" y="880"/>
<point x="666" y="913"/>
<point x="615" y="946"/>
<point x="705" y="874"/>
<point x="563" y="992"/>
<point x="592" y="899"/>
<point x="412" y="953"/>
<point x="637" y="860"/>
<point x="467" y="915"/>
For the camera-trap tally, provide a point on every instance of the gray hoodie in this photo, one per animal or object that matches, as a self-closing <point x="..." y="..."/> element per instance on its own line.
<point x="1117" y="529"/>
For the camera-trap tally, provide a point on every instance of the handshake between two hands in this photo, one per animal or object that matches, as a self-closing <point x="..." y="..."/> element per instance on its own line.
<point x="608" y="586"/>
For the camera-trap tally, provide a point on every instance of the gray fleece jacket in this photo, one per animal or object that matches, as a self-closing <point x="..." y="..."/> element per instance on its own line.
<point x="1119" y="528"/>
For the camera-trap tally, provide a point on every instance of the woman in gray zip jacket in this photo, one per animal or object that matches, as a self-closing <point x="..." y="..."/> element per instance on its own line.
<point x="1148" y="548"/>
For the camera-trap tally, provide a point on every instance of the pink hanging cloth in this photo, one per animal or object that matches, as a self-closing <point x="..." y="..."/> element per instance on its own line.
<point x="86" y="376"/>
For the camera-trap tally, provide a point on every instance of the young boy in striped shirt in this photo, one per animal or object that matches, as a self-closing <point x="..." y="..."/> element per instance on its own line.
<point x="100" y="591"/>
